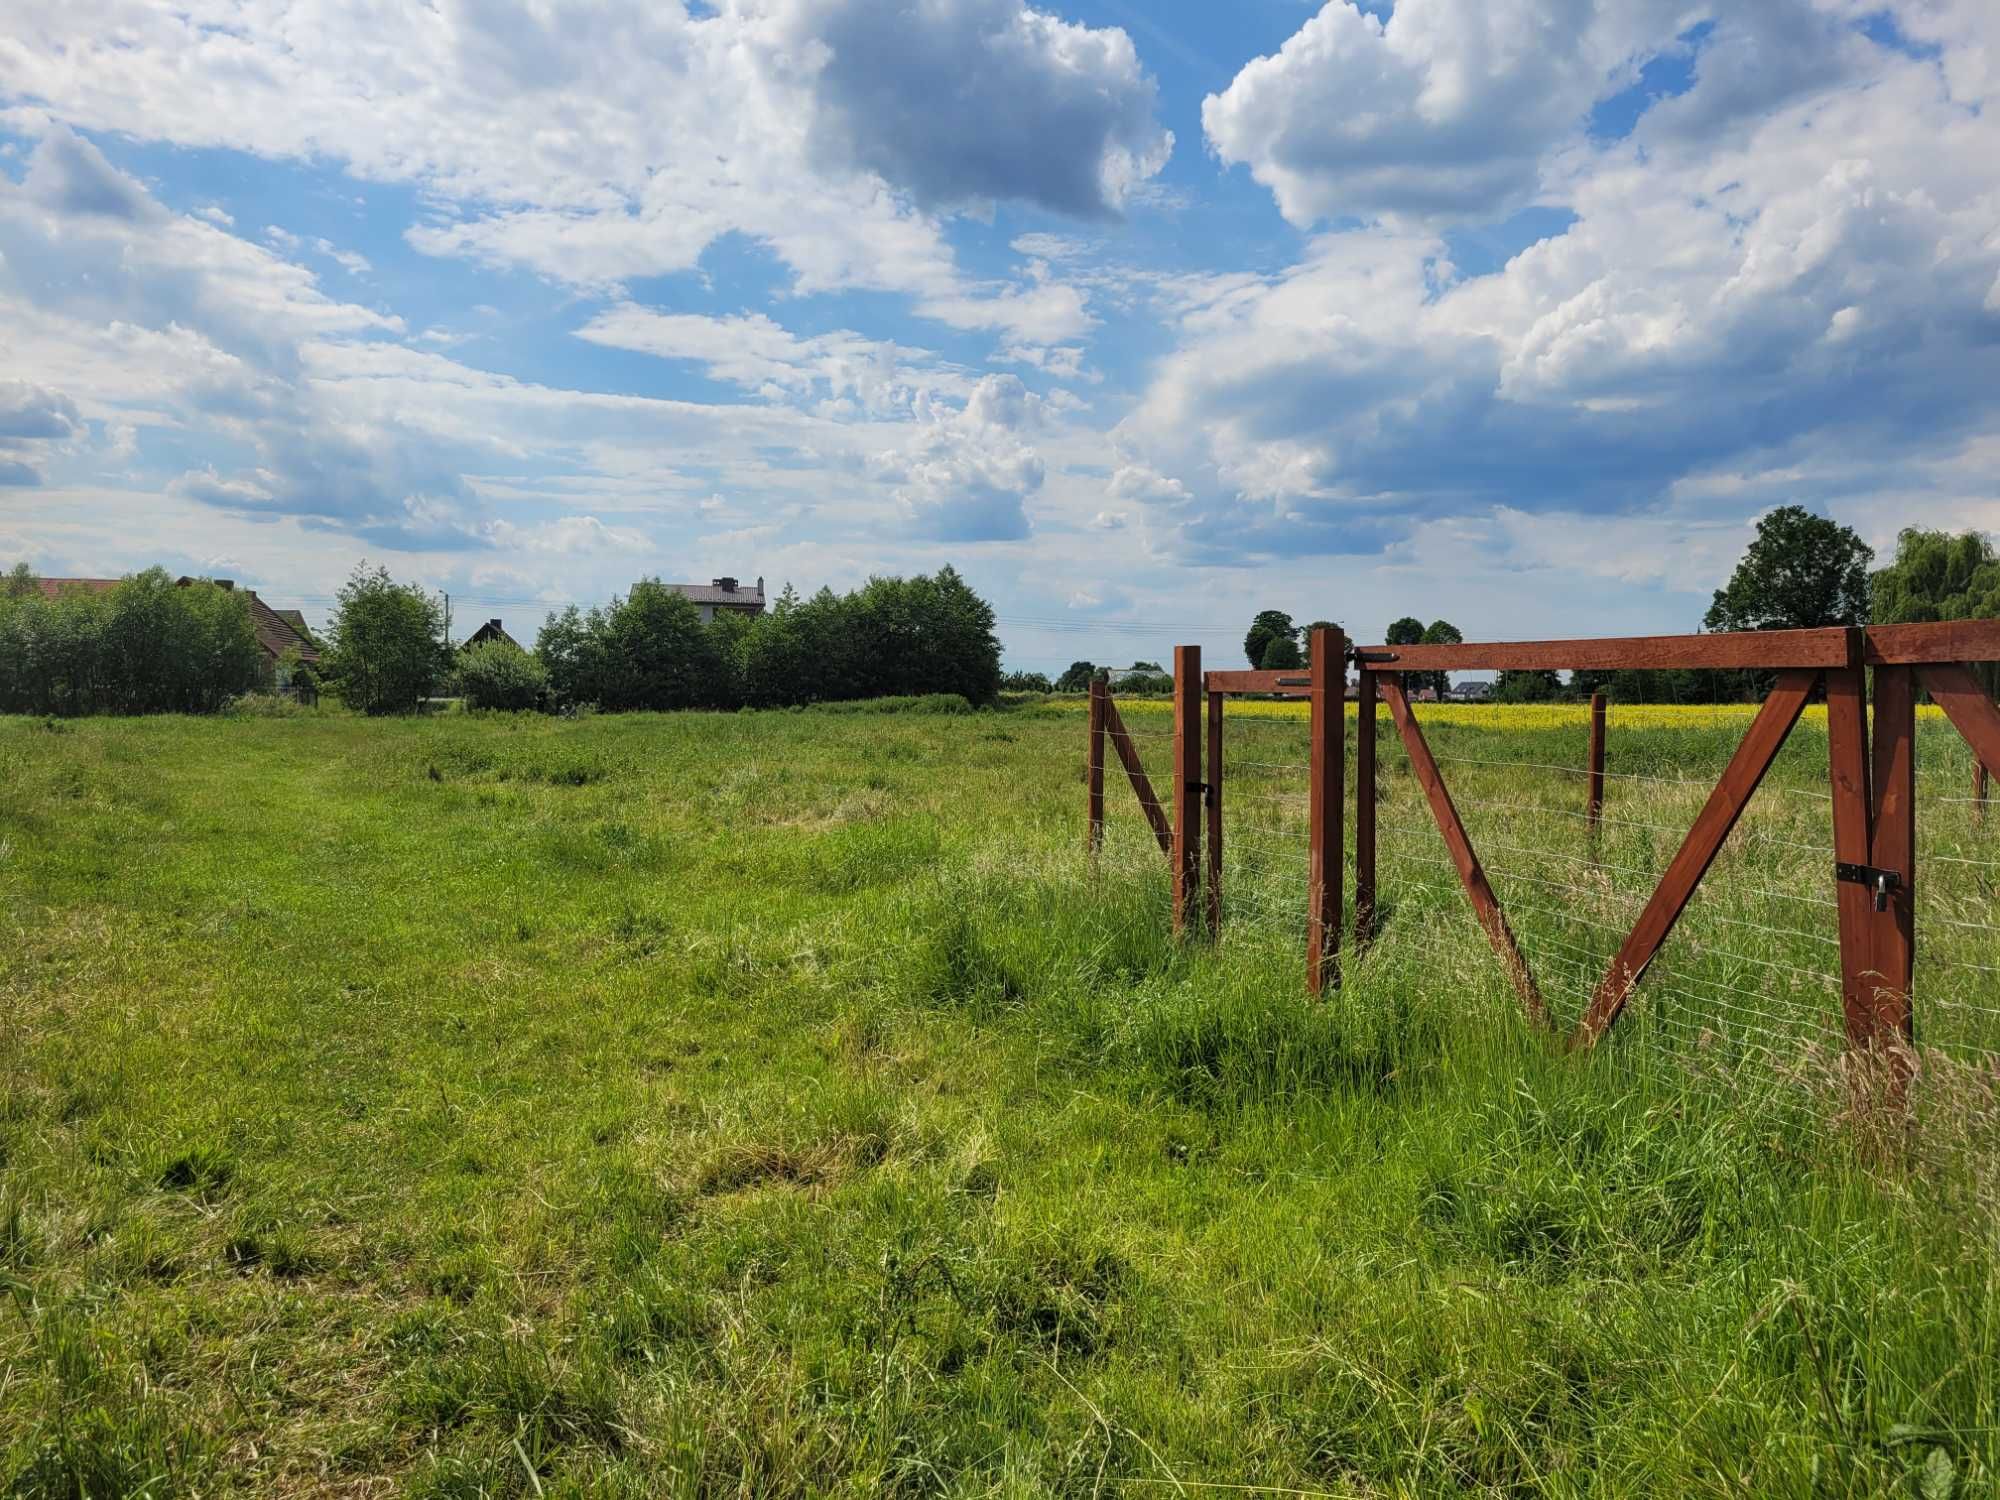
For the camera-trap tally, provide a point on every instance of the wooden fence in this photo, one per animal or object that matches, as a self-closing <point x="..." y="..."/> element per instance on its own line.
<point x="1871" y="781"/>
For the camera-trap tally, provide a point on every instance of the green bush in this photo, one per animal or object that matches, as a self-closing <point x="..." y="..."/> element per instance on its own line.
<point x="148" y="645"/>
<point x="500" y="675"/>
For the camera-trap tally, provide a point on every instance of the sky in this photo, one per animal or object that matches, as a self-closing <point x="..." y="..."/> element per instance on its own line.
<point x="1145" y="315"/>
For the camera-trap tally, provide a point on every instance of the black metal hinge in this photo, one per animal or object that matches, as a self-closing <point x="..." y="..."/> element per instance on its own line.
<point x="1881" y="882"/>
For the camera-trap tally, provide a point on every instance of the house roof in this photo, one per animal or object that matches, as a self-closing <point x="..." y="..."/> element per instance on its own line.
<point x="492" y="630"/>
<point x="743" y="596"/>
<point x="296" y="618"/>
<point x="274" y="633"/>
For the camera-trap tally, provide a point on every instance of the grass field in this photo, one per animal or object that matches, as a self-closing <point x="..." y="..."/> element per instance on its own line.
<point x="780" y="1104"/>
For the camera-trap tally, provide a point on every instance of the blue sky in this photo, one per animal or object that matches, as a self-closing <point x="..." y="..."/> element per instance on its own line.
<point x="1146" y="316"/>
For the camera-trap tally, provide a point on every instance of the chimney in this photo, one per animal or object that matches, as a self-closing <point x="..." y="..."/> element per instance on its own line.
<point x="494" y="623"/>
<point x="727" y="585"/>
<point x="760" y="585"/>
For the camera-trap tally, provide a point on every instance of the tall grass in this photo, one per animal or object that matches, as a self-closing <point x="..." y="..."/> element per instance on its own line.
<point x="782" y="1104"/>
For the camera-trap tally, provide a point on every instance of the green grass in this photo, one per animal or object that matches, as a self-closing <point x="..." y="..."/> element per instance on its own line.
<point x="779" y="1104"/>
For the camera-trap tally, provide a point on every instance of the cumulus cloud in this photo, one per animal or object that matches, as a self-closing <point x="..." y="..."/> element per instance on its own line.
<point x="1811" y="281"/>
<point x="599" y="151"/>
<point x="964" y="475"/>
<point x="1445" y="110"/>
<point x="957" y="100"/>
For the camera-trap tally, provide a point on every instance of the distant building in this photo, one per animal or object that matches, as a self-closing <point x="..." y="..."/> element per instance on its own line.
<point x="276" y="635"/>
<point x="724" y="594"/>
<point x="1472" y="692"/>
<point x="490" y="631"/>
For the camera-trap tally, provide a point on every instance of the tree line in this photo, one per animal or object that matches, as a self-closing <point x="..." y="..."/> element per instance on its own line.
<point x="1801" y="571"/>
<point x="650" y="649"/>
<point x="146" y="645"/>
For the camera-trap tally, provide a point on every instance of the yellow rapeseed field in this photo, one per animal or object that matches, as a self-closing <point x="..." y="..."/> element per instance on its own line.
<point x="1522" y="716"/>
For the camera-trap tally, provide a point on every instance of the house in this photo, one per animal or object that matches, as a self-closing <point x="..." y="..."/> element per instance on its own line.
<point x="276" y="637"/>
<point x="1472" y="692"/>
<point x="490" y="631"/>
<point x="720" y="594"/>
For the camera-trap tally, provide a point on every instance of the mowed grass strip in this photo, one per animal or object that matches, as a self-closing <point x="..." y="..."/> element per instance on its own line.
<point x="779" y="1104"/>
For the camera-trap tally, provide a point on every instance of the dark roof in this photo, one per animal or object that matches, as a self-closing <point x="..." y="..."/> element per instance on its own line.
<point x="743" y="596"/>
<point x="296" y="618"/>
<point x="274" y="634"/>
<point x="492" y="630"/>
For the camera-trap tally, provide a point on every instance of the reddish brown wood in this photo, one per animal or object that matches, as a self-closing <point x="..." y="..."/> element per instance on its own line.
<point x="1128" y="754"/>
<point x="1893" y="846"/>
<point x="1288" y="684"/>
<point x="1471" y="874"/>
<point x="1740" y="779"/>
<point x="1765" y="649"/>
<point x="1853" y="823"/>
<point x="1186" y="850"/>
<point x="1094" y="774"/>
<point x="1364" y="808"/>
<point x="1970" y="710"/>
<point x="1594" y="796"/>
<point x="1327" y="773"/>
<point x="1945" y="643"/>
<point x="1215" y="814"/>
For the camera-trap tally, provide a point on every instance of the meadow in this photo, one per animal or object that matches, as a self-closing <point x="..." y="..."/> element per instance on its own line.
<point x="782" y="1103"/>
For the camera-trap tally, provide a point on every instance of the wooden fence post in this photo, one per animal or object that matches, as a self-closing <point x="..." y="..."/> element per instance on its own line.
<point x="1094" y="834"/>
<point x="1364" y="806"/>
<point x="1893" y="847"/>
<point x="1215" y="814"/>
<point x="1596" y="796"/>
<point x="1325" y="798"/>
<point x="1853" y="820"/>
<point x="1186" y="853"/>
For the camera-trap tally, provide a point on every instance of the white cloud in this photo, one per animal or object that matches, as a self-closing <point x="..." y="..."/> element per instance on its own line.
<point x="964" y="474"/>
<point x="1445" y="109"/>
<point x="596" y="148"/>
<point x="1678" y="327"/>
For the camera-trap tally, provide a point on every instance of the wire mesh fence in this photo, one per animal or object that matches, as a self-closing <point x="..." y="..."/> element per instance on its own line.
<point x="1751" y="969"/>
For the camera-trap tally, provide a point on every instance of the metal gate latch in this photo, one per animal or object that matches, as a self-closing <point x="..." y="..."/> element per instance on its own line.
<point x="1882" y="882"/>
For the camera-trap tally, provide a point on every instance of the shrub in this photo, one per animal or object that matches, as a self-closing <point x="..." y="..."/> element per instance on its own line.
<point x="500" y="675"/>
<point x="148" y="645"/>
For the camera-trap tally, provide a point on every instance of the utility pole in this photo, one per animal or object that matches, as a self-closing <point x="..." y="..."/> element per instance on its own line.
<point x="447" y="618"/>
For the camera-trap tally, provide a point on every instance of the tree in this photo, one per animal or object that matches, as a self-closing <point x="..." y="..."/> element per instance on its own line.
<point x="1938" y="576"/>
<point x="1527" y="687"/>
<point x="386" y="646"/>
<point x="655" y="652"/>
<point x="1437" y="633"/>
<point x="572" y="656"/>
<point x="1076" y="677"/>
<point x="1269" y="623"/>
<point x="1281" y="654"/>
<point x="1026" y="682"/>
<point x="500" y="675"/>
<point x="1799" y="572"/>
<point x="1408" y="631"/>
